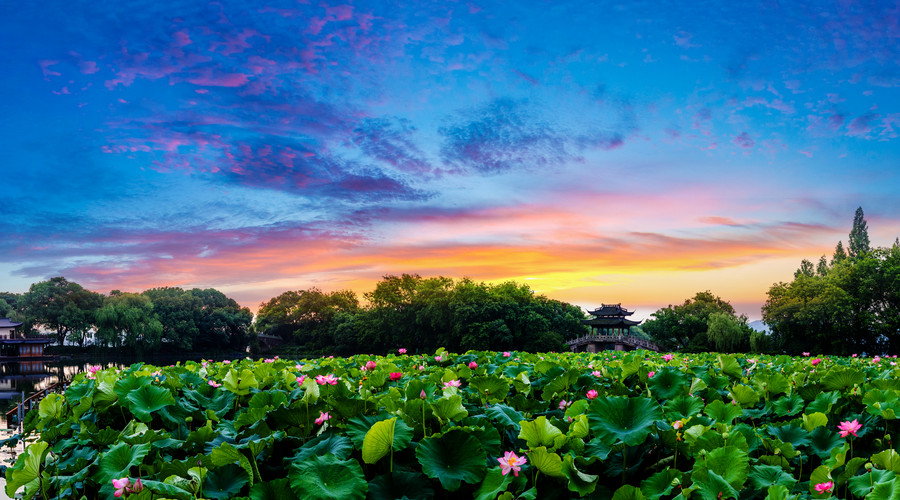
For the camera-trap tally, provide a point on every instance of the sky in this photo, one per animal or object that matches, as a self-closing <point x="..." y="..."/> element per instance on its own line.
<point x="602" y="152"/>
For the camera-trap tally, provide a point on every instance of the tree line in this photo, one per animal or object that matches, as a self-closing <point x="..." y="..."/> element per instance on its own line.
<point x="848" y="304"/>
<point x="166" y="319"/>
<point x="416" y="313"/>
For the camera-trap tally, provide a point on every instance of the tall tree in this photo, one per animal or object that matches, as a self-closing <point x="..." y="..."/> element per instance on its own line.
<point x="859" y="236"/>
<point x="822" y="266"/>
<point x="685" y="326"/>
<point x="839" y="254"/>
<point x="60" y="305"/>
<point x="128" y="320"/>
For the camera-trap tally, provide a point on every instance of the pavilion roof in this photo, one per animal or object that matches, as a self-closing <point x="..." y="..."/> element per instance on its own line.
<point x="610" y="322"/>
<point x="7" y="323"/>
<point x="611" y="310"/>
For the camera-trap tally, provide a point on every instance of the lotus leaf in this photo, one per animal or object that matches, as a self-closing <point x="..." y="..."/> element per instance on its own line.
<point x="626" y="420"/>
<point x="328" y="477"/>
<point x="452" y="458"/>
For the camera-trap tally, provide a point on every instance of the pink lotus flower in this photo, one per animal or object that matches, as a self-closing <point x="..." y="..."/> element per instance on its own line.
<point x="473" y="365"/>
<point x="370" y="365"/>
<point x="323" y="416"/>
<point x="816" y="361"/>
<point x="326" y="379"/>
<point x="121" y="486"/>
<point x="651" y="374"/>
<point x="506" y="354"/>
<point x="204" y="363"/>
<point x="825" y="487"/>
<point x="667" y="357"/>
<point x="452" y="383"/>
<point x="396" y="376"/>
<point x="138" y="486"/>
<point x="226" y="362"/>
<point x="301" y="379"/>
<point x="269" y="360"/>
<point x="564" y="404"/>
<point x="93" y="369"/>
<point x="597" y="373"/>
<point x="849" y="427"/>
<point x="298" y="366"/>
<point x="677" y="425"/>
<point x="511" y="462"/>
<point x="591" y="394"/>
<point x="401" y="350"/>
<point x="876" y="359"/>
<point x="214" y="383"/>
<point x="854" y="355"/>
<point x="422" y="394"/>
<point x="437" y="358"/>
<point x="421" y="367"/>
<point x="806" y="354"/>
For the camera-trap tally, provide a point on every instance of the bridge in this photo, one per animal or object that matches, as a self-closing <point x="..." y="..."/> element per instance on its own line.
<point x="596" y="343"/>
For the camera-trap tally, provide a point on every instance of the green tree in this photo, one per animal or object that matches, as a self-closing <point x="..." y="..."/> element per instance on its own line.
<point x="221" y="321"/>
<point x="859" y="236"/>
<point x="684" y="327"/>
<point x="839" y="254"/>
<point x="304" y="316"/>
<point x="62" y="306"/>
<point x="176" y="310"/>
<point x="727" y="333"/>
<point x="806" y="269"/>
<point x="128" y="320"/>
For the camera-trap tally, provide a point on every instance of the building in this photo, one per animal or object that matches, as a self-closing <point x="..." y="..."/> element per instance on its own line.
<point x="16" y="345"/>
<point x="610" y="319"/>
<point x="610" y="330"/>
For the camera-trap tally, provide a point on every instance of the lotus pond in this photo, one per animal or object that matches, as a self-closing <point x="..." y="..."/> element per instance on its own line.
<point x="474" y="425"/>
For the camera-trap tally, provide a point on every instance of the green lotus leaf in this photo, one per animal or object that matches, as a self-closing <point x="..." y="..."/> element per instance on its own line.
<point x="224" y="482"/>
<point x="729" y="462"/>
<point x="628" y="492"/>
<point x="744" y="395"/>
<point x="850" y="469"/>
<point x="276" y="489"/>
<point x="790" y="433"/>
<point x="840" y="378"/>
<point x="148" y="399"/>
<point x="240" y="383"/>
<point x="452" y="458"/>
<point x="118" y="461"/>
<point x="339" y="446"/>
<point x="631" y="364"/>
<point x="888" y="459"/>
<point x="579" y="428"/>
<point x="722" y="412"/>
<point x="507" y="417"/>
<point x="628" y="420"/>
<point x="401" y="484"/>
<point x="683" y="407"/>
<point x="540" y="432"/>
<point x="162" y="489"/>
<point x="268" y="399"/>
<point x="712" y="486"/>
<point x="384" y="436"/>
<point x="358" y="426"/>
<point x="788" y="405"/>
<point x="770" y="383"/>
<point x="227" y="454"/>
<point x="764" y="476"/>
<point x="522" y="383"/>
<point x="560" y="384"/>
<point x="492" y="388"/>
<point x="597" y="449"/>
<point x="545" y="461"/>
<point x="822" y="474"/>
<point x="814" y="420"/>
<point x="328" y="477"/>
<point x="126" y="384"/>
<point x="729" y="366"/>
<point x="450" y="408"/>
<point x="668" y="383"/>
<point x="579" y="482"/>
<point x="824" y="402"/>
<point x="495" y="483"/>
<point x="822" y="440"/>
<point x="875" y="484"/>
<point x="51" y="406"/>
<point x="577" y="408"/>
<point x="660" y="484"/>
<point x="779" y="492"/>
<point x="27" y="470"/>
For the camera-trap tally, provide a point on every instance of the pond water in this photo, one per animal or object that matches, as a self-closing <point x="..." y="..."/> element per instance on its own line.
<point x="21" y="379"/>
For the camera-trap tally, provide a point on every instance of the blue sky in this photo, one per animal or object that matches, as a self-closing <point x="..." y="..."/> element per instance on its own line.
<point x="636" y="153"/>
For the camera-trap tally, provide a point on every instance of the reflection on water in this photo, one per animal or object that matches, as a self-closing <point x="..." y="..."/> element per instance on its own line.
<point x="25" y="378"/>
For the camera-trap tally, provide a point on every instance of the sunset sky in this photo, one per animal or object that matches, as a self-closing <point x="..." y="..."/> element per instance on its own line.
<point x="604" y="152"/>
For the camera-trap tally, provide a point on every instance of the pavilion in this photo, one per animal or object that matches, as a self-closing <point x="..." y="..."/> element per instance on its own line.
<point x="610" y="330"/>
<point x="15" y="345"/>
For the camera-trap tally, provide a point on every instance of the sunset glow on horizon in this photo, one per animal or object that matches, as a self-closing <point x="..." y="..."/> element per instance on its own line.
<point x="634" y="153"/>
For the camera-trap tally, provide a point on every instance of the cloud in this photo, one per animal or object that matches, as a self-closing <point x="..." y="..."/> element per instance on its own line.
<point x="391" y="141"/>
<point x="861" y="125"/>
<point x="743" y="140"/>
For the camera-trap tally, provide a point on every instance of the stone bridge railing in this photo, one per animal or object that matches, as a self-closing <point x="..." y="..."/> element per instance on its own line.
<point x="633" y="342"/>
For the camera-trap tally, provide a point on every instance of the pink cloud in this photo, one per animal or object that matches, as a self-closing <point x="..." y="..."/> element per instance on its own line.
<point x="208" y="79"/>
<point x="743" y="140"/>
<point x="45" y="68"/>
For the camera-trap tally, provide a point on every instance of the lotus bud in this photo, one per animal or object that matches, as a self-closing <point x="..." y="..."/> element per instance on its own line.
<point x="725" y="435"/>
<point x="675" y="482"/>
<point x="868" y="465"/>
